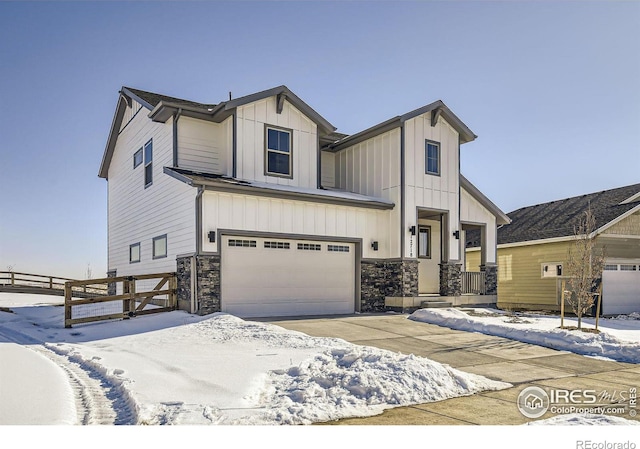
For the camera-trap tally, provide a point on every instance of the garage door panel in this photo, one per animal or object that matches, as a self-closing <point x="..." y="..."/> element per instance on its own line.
<point x="620" y="292"/>
<point x="276" y="278"/>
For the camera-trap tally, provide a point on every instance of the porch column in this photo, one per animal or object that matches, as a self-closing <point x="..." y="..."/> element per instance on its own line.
<point x="490" y="278"/>
<point x="450" y="279"/>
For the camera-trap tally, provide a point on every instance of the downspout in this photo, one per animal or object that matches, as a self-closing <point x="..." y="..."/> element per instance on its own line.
<point x="461" y="244"/>
<point x="194" y="260"/>
<point x="403" y="229"/>
<point x="176" y="116"/>
<point x="234" y="145"/>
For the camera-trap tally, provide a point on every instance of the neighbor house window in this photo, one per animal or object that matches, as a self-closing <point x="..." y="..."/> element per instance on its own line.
<point x="551" y="270"/>
<point x="160" y="246"/>
<point x="148" y="163"/>
<point x="424" y="242"/>
<point x="278" y="151"/>
<point x="137" y="158"/>
<point x="134" y="253"/>
<point x="432" y="158"/>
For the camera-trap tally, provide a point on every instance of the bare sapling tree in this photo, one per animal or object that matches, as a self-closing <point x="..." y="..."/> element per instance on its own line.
<point x="585" y="263"/>
<point x="89" y="272"/>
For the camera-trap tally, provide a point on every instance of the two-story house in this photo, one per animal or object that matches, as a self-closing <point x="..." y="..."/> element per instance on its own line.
<point x="263" y="209"/>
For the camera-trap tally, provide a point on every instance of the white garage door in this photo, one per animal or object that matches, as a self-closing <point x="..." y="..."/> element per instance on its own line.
<point x="276" y="277"/>
<point x="621" y="288"/>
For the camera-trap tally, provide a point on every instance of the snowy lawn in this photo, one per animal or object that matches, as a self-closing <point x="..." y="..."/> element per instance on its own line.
<point x="619" y="338"/>
<point x="177" y="368"/>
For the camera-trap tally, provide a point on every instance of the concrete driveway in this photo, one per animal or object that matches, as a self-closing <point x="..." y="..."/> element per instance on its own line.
<point x="520" y="364"/>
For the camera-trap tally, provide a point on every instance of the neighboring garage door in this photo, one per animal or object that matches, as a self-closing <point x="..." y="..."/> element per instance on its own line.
<point x="621" y="288"/>
<point x="263" y="277"/>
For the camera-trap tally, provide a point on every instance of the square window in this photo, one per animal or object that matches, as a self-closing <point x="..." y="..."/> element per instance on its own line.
<point x="424" y="242"/>
<point x="432" y="158"/>
<point x="137" y="158"/>
<point x="160" y="246"/>
<point x="278" y="152"/>
<point x="134" y="253"/>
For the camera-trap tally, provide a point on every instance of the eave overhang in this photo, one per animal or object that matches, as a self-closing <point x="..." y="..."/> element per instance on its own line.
<point x="227" y="184"/>
<point x="501" y="217"/>
<point x="438" y="108"/>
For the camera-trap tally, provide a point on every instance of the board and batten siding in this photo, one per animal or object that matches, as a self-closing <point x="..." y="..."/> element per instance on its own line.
<point x="438" y="192"/>
<point x="250" y="143"/>
<point x="130" y="113"/>
<point x="138" y="214"/>
<point x="372" y="168"/>
<point x="205" y="146"/>
<point x="328" y="169"/>
<point x="270" y="215"/>
<point x="472" y="212"/>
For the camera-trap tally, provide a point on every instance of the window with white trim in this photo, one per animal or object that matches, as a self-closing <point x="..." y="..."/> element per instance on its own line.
<point x="134" y="253"/>
<point x="338" y="248"/>
<point x="309" y="247"/>
<point x="278" y="143"/>
<point x="160" y="246"/>
<point x="242" y="243"/>
<point x="148" y="163"/>
<point x="627" y="267"/>
<point x="551" y="270"/>
<point x="277" y="245"/>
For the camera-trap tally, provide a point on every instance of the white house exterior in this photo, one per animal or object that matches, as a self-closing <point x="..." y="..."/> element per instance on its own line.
<point x="262" y="209"/>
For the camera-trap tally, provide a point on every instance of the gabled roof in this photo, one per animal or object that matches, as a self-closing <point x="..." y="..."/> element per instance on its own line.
<point x="557" y="218"/>
<point x="501" y="217"/>
<point x="162" y="107"/>
<point x="437" y="107"/>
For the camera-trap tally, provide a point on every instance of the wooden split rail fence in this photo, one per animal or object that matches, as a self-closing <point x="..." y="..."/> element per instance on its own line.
<point x="134" y="302"/>
<point x="39" y="283"/>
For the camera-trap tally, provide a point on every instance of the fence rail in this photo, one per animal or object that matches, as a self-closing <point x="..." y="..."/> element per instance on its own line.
<point x="135" y="299"/>
<point x="16" y="281"/>
<point x="473" y="282"/>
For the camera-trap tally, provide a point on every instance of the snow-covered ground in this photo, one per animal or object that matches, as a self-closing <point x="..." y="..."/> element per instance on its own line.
<point x="177" y="368"/>
<point x="619" y="338"/>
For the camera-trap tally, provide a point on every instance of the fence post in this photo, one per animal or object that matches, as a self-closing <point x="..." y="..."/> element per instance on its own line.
<point x="125" y="302"/>
<point x="599" y="304"/>
<point x="132" y="292"/>
<point x="67" y="305"/>
<point x="50" y="282"/>
<point x="562" y="304"/>
<point x="174" y="291"/>
<point x="13" y="278"/>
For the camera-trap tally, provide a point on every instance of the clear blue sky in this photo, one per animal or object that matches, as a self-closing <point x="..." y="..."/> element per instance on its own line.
<point x="552" y="89"/>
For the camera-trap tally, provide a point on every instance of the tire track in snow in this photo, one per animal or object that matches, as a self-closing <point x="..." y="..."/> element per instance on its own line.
<point x="100" y="398"/>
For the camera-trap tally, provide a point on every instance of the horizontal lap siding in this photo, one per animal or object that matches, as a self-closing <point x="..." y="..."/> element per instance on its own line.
<point x="252" y="213"/>
<point x="136" y="214"/>
<point x="626" y="226"/>
<point x="250" y="146"/>
<point x="204" y="146"/>
<point x="432" y="191"/>
<point x="372" y="168"/>
<point x="526" y="285"/>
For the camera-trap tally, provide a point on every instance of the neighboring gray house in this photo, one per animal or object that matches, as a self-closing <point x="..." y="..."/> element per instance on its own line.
<point x="264" y="210"/>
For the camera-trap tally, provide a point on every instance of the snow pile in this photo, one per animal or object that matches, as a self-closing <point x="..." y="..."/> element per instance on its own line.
<point x="537" y="330"/>
<point x="576" y="419"/>
<point x="631" y="316"/>
<point x="363" y="381"/>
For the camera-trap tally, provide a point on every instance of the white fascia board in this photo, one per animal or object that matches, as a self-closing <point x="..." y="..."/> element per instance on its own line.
<point x="536" y="242"/>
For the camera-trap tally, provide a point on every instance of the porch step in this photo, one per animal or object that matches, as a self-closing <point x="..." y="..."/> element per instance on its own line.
<point x="434" y="304"/>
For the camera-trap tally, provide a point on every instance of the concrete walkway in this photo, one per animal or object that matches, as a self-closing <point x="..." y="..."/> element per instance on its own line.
<point x="520" y="364"/>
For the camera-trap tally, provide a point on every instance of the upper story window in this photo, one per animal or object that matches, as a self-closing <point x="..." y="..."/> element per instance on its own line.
<point x="134" y="253"/>
<point x="278" y="151"/>
<point x="432" y="157"/>
<point x="137" y="158"/>
<point x="148" y="163"/>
